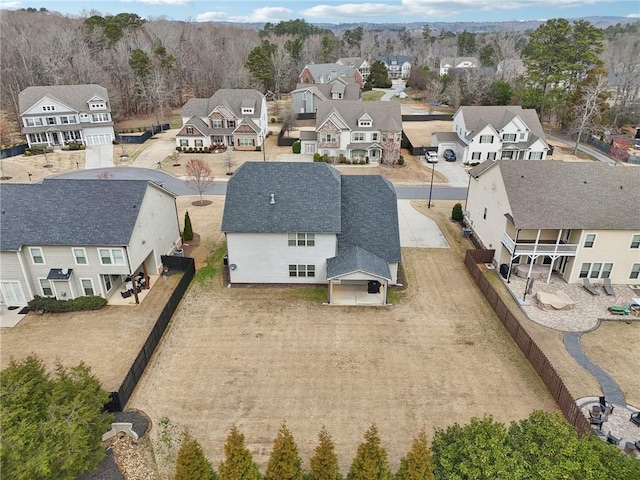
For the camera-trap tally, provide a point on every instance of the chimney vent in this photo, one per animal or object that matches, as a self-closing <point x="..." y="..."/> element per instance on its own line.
<point x="273" y="199"/>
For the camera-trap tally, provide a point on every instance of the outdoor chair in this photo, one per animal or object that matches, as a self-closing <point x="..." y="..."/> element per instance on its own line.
<point x="589" y="288"/>
<point x="605" y="407"/>
<point x="613" y="440"/>
<point x="608" y="288"/>
<point x="635" y="418"/>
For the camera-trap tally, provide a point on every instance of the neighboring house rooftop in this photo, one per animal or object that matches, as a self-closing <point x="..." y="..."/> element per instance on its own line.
<point x="455" y="61"/>
<point x="351" y="91"/>
<point x="355" y="62"/>
<point x="74" y="96"/>
<point x="69" y="212"/>
<point x="231" y="98"/>
<point x="325" y="72"/>
<point x="552" y="194"/>
<point x="398" y="59"/>
<point x="478" y="117"/>
<point x="306" y="198"/>
<point x="386" y="116"/>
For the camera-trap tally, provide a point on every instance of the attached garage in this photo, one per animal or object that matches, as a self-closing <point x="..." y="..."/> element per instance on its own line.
<point x="100" y="139"/>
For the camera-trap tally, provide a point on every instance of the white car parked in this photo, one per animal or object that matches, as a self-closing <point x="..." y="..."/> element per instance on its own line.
<point x="432" y="157"/>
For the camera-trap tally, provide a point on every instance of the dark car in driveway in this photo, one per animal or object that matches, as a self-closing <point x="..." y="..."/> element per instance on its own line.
<point x="449" y="155"/>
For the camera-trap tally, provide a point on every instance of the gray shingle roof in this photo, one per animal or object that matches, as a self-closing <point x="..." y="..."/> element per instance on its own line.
<point x="350" y="61"/>
<point x="476" y="118"/>
<point x="323" y="90"/>
<point x="454" y="61"/>
<point x="74" y="96"/>
<point x="356" y="259"/>
<point x="579" y="195"/>
<point x="324" y="72"/>
<point x="386" y="116"/>
<point x="370" y="216"/>
<point x="307" y="198"/>
<point x="69" y="212"/>
<point x="232" y="98"/>
<point x="399" y="59"/>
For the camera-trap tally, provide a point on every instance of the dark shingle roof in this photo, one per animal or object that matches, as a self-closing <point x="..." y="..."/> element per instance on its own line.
<point x="355" y="259"/>
<point x="370" y="216"/>
<point x="232" y="98"/>
<point x="478" y="117"/>
<point x="386" y="116"/>
<point x="553" y="194"/>
<point x="307" y="198"/>
<point x="74" y="96"/>
<point x="69" y="212"/>
<point x="399" y="59"/>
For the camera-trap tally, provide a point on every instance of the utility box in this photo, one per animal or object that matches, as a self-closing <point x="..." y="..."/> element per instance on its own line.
<point x="466" y="232"/>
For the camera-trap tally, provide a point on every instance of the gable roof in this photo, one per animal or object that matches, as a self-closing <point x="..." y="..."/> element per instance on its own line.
<point x="386" y="116"/>
<point x="232" y="98"/>
<point x="455" y="61"/>
<point x="399" y="59"/>
<point x="350" y="61"/>
<point x="70" y="212"/>
<point x="356" y="259"/>
<point x="478" y="117"/>
<point x="74" y="96"/>
<point x="351" y="91"/>
<point x="328" y="71"/>
<point x="306" y="198"/>
<point x="578" y="195"/>
<point x="370" y="216"/>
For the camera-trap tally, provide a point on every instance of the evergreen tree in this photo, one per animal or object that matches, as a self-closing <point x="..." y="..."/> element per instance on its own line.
<point x="284" y="462"/>
<point x="187" y="234"/>
<point x="191" y="463"/>
<point x="371" y="461"/>
<point x="51" y="425"/>
<point x="238" y="463"/>
<point x="418" y="464"/>
<point x="324" y="463"/>
<point x="379" y="77"/>
<point x="456" y="212"/>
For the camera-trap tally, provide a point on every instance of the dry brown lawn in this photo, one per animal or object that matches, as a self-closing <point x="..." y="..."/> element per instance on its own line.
<point x="256" y="357"/>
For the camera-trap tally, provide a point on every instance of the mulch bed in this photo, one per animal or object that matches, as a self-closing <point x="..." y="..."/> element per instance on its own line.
<point x="201" y="203"/>
<point x="189" y="245"/>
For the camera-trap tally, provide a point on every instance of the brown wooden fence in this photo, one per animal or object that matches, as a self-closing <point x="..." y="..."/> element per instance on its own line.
<point x="527" y="345"/>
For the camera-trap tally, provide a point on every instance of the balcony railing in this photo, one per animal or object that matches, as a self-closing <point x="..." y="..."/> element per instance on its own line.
<point x="529" y="248"/>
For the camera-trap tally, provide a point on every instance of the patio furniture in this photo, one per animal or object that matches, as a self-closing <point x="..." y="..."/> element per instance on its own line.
<point x="605" y="407"/>
<point x="608" y="288"/>
<point x="635" y="418"/>
<point x="589" y="288"/>
<point x="620" y="309"/>
<point x="596" y="422"/>
<point x="613" y="440"/>
<point x="557" y="301"/>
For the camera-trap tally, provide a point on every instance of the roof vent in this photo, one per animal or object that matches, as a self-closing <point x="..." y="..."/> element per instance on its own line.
<point x="273" y="199"/>
<point x="585" y="182"/>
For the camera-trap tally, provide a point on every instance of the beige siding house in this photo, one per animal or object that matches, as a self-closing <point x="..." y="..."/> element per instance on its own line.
<point x="578" y="219"/>
<point x="69" y="238"/>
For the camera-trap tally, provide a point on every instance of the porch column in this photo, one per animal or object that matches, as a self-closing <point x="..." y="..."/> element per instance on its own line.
<point x="330" y="292"/>
<point x="513" y="254"/>
<point x="555" y="255"/>
<point x="534" y="255"/>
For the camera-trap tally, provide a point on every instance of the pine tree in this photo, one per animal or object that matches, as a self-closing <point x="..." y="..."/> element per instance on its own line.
<point x="324" y="463"/>
<point x="238" y="463"/>
<point x="371" y="462"/>
<point x="418" y="464"/>
<point x="456" y="213"/>
<point x="191" y="463"/>
<point x="188" y="229"/>
<point x="284" y="462"/>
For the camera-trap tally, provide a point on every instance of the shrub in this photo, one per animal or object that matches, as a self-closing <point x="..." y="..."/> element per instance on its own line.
<point x="342" y="159"/>
<point x="326" y="159"/>
<point x="27" y="153"/>
<point x="273" y="120"/>
<point x="296" y="146"/>
<point x="178" y="149"/>
<point x="83" y="147"/>
<point x="401" y="160"/>
<point x="367" y="86"/>
<point x="348" y="162"/>
<point x="363" y="161"/>
<point x="52" y="305"/>
<point x="188" y="229"/>
<point x="259" y="149"/>
<point x="316" y="157"/>
<point x="456" y="213"/>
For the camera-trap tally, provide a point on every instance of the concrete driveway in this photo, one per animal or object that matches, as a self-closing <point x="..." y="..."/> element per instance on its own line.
<point x="160" y="146"/>
<point x="416" y="230"/>
<point x="98" y="156"/>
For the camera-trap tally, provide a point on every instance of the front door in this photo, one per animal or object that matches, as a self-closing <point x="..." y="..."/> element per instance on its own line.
<point x="12" y="293"/>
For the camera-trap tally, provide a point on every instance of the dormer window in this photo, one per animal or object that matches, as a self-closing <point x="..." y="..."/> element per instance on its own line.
<point x="364" y="123"/>
<point x="97" y="106"/>
<point x="48" y="108"/>
<point x="247" y="111"/>
<point x="508" y="137"/>
<point x="189" y="130"/>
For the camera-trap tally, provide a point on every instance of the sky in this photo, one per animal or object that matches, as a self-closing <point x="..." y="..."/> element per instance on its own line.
<point x="342" y="11"/>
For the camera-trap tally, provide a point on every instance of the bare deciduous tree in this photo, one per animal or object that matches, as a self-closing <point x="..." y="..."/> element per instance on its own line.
<point x="390" y="150"/>
<point x="199" y="177"/>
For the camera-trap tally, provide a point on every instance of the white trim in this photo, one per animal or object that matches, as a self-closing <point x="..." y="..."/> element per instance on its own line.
<point x="631" y="271"/>
<point x="93" y="288"/>
<point x="111" y="257"/>
<point x="75" y="259"/>
<point x="44" y="261"/>
<point x="53" y="291"/>
<point x="633" y="236"/>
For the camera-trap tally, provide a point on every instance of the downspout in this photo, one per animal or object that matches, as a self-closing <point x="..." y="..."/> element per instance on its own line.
<point x="24" y="273"/>
<point x="515" y="246"/>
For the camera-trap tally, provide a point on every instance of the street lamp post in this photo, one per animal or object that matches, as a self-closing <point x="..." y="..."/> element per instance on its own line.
<point x="433" y="167"/>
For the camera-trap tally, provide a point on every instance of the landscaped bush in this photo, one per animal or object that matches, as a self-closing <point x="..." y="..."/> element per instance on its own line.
<point x="326" y="159"/>
<point x="316" y="157"/>
<point x="259" y="149"/>
<point x="75" y="146"/>
<point x="296" y="146"/>
<point x="456" y="213"/>
<point x="52" y="305"/>
<point x="342" y="159"/>
<point x="401" y="160"/>
<point x="363" y="161"/>
<point x="178" y="149"/>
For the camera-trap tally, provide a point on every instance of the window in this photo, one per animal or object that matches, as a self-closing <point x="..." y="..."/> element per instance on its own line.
<point x="302" y="239"/>
<point x="184" y="143"/>
<point x="336" y="95"/>
<point x="111" y="256"/>
<point x="80" y="255"/>
<point x="635" y="271"/>
<point x="491" y="155"/>
<point x="635" y="241"/>
<point x="589" y="240"/>
<point x="87" y="286"/>
<point x="374" y="136"/>
<point x="246" y="142"/>
<point x="66" y="119"/>
<point x="216" y="123"/>
<point x="33" y="122"/>
<point x="45" y="287"/>
<point x="231" y="124"/>
<point x="48" y="108"/>
<point x="523" y="135"/>
<point x="99" y="117"/>
<point x="97" y="106"/>
<point x="189" y="130"/>
<point x="358" y="137"/>
<point x="198" y="143"/>
<point x="302" y="270"/>
<point x="107" y="282"/>
<point x="36" y="255"/>
<point x="364" y="123"/>
<point x="475" y="156"/>
<point x="219" y="139"/>
<point x="38" y="137"/>
<point x="247" y="111"/>
<point x="484" y="214"/>
<point x="486" y="138"/>
<point x="328" y="137"/>
<point x="51" y="120"/>
<point x="596" y="270"/>
<point x="72" y="135"/>
<point x="507" y="155"/>
<point x="535" y="155"/>
<point x="509" y="137"/>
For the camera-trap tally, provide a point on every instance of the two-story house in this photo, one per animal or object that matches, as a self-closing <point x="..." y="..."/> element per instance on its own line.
<point x="326" y="72"/>
<point x="61" y="114"/>
<point x="449" y="63"/>
<point x="68" y="238"/>
<point x="398" y="66"/>
<point x="304" y="223"/>
<point x="578" y="219"/>
<point x="494" y="133"/>
<point x="362" y="65"/>
<point x="306" y="97"/>
<point x="234" y="118"/>
<point x="354" y="129"/>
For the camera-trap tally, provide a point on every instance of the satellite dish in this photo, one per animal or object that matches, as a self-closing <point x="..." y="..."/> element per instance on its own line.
<point x="64" y="271"/>
<point x="233" y="266"/>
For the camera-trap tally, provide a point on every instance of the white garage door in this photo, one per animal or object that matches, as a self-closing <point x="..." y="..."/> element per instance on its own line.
<point x="98" y="139"/>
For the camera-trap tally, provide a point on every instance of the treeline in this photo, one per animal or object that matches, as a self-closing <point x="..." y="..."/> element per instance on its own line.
<point x="542" y="446"/>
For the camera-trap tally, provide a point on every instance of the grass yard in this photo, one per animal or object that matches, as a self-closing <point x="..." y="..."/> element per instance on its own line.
<point x="254" y="357"/>
<point x="372" y="96"/>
